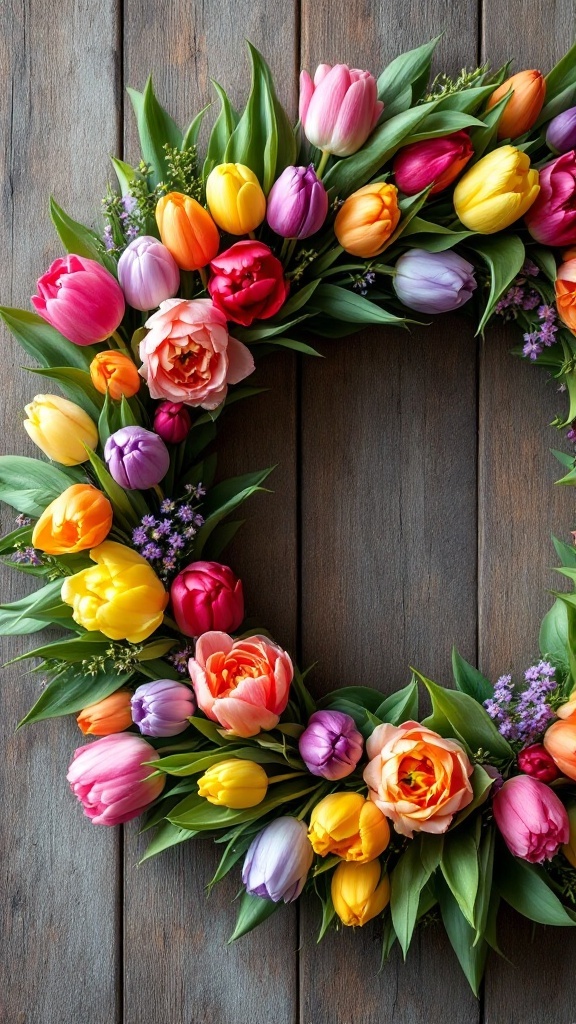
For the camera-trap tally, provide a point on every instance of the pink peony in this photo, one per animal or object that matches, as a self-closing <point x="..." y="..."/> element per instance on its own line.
<point x="112" y="781"/>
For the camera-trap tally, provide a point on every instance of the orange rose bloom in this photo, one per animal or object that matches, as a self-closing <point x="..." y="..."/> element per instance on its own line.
<point x="416" y="777"/>
<point x="368" y="217"/>
<point x="116" y="373"/>
<point x="187" y="230"/>
<point x="79" y="519"/>
<point x="566" y="293"/>
<point x="112" y="714"/>
<point x="523" y="107"/>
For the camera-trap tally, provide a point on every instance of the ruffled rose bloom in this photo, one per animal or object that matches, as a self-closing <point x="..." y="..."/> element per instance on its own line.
<point x="417" y="778"/>
<point x="244" y="684"/>
<point x="188" y="355"/>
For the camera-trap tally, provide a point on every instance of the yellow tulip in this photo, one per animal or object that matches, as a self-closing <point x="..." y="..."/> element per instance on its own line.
<point x="496" y="191"/>
<point x="348" y="825"/>
<point x="234" y="783"/>
<point x="359" y="893"/>
<point x="235" y="198"/>
<point x="569" y="848"/>
<point x="367" y="218"/>
<point x="121" y="595"/>
<point x="60" y="428"/>
<point x="80" y="518"/>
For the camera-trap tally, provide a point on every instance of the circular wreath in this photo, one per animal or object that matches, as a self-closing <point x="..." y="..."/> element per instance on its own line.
<point x="387" y="203"/>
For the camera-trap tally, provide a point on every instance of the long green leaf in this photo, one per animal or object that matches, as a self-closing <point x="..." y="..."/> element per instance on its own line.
<point x="77" y="386"/>
<point x="406" y="882"/>
<point x="42" y="342"/>
<point x="468" y="720"/>
<point x="553" y="640"/>
<point x="401" y="706"/>
<point x="78" y="239"/>
<point x="29" y="485"/>
<point x="472" y="958"/>
<point x="459" y="865"/>
<point x="197" y="813"/>
<point x="31" y="614"/>
<point x="504" y="256"/>
<point x="346" y="305"/>
<point x="223" y="127"/>
<point x="71" y="691"/>
<point x="469" y="680"/>
<point x="253" y="911"/>
<point x="524" y="887"/>
<point x="395" y="82"/>
<point x="155" y="128"/>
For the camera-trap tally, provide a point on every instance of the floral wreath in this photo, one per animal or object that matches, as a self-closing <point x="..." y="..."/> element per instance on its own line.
<point x="389" y="200"/>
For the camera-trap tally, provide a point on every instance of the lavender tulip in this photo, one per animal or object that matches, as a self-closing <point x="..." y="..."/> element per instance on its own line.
<point x="297" y="204"/>
<point x="331" y="745"/>
<point x="278" y="861"/>
<point x="136" y="458"/>
<point x="147" y="273"/>
<point x="433" y="282"/>
<point x="561" y="132"/>
<point x="162" y="707"/>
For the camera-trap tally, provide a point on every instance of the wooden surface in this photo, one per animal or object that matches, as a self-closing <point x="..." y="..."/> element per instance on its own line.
<point x="412" y="508"/>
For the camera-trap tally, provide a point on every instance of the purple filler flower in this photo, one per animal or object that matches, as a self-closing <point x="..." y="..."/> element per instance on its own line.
<point x="297" y="204"/>
<point x="162" y="707"/>
<point x="278" y="861"/>
<point x="136" y="458"/>
<point x="433" y="282"/>
<point x="331" y="745"/>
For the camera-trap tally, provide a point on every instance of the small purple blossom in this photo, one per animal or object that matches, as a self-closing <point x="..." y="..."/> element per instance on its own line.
<point x="522" y="714"/>
<point x="22" y="520"/>
<point x="532" y="346"/>
<point x="181" y="658"/>
<point x="108" y="237"/>
<point x="26" y="556"/>
<point x="167" y="543"/>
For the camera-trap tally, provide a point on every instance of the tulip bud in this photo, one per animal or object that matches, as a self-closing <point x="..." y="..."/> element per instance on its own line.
<point x="136" y="458"/>
<point x="207" y="596"/>
<point x="187" y="230"/>
<point x="551" y="220"/>
<point x="436" y="162"/>
<point x="172" y="422"/>
<point x="569" y="848"/>
<point x="348" y="825"/>
<point x="81" y="299"/>
<point x="359" y="892"/>
<point x="107" y="716"/>
<point x="367" y="218"/>
<point x="496" y="191"/>
<point x="560" y="742"/>
<point x="561" y="132"/>
<point x="536" y="762"/>
<point x="162" y="707"/>
<point x="297" y="204"/>
<point x="531" y="818"/>
<point x="234" y="783"/>
<point x="235" y="199"/>
<point x="112" y="780"/>
<point x="61" y="429"/>
<point x="147" y="273"/>
<point x="331" y="745"/>
<point x="278" y="861"/>
<point x="433" y="282"/>
<point x="339" y="109"/>
<point x="78" y="519"/>
<point x="523" y="107"/>
<point x="565" y="287"/>
<point x="114" y="373"/>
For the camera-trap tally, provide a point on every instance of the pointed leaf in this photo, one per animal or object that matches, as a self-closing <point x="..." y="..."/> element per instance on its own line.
<point x="469" y="680"/>
<point x="155" y="128"/>
<point x="459" y="865"/>
<point x="71" y="691"/>
<point x="253" y="911"/>
<point x="467" y="720"/>
<point x="42" y="342"/>
<point x="29" y="485"/>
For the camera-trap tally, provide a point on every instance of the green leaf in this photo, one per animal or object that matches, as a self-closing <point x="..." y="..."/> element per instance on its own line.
<point x="196" y="762"/>
<point x="109" y="420"/>
<point x="483" y="898"/>
<point x="210" y="731"/>
<point x="406" y="882"/>
<point x="401" y="706"/>
<point x="553" y="639"/>
<point x="78" y="239"/>
<point x="297" y="301"/>
<point x="525" y="887"/>
<point x="481" y="782"/>
<point x="221" y="536"/>
<point x="483" y="139"/>
<point x="22" y="537"/>
<point x="197" y="813"/>
<point x="191" y="135"/>
<point x="42" y="342"/>
<point x="342" y="304"/>
<point x="70" y="650"/>
<point x="253" y="911"/>
<point x="220" y="135"/>
<point x="442" y="122"/>
<point x="395" y="82"/>
<point x="469" y="680"/>
<point x="125" y="174"/>
<point x="566" y="553"/>
<point x="363" y="697"/>
<point x="223" y="499"/>
<point x="77" y="386"/>
<point x="166" y="835"/>
<point x="560" y="85"/>
<point x="504" y="256"/>
<point x="467" y="720"/>
<point x="236" y="848"/>
<point x="31" y="613"/>
<point x="459" y="865"/>
<point x="70" y="691"/>
<point x="123" y="507"/>
<point x="29" y="485"/>
<point x="155" y="128"/>
<point x="472" y="958"/>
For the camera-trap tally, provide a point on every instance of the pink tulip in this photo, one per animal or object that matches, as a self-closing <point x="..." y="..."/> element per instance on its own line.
<point x="531" y="818"/>
<point x="339" y="109"/>
<point x="435" y="162"/>
<point x="81" y="299"/>
<point x="205" y="596"/>
<point x="110" y="778"/>
<point x="172" y="422"/>
<point x="551" y="219"/>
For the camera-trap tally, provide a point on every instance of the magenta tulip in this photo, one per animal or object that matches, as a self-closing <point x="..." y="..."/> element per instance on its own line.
<point x="435" y="162"/>
<point x="536" y="761"/>
<point x="81" y="299"/>
<point x="172" y="422"/>
<point x="551" y="219"/>
<point x="339" y="109"/>
<point x="207" y="596"/>
<point x="297" y="204"/>
<point x="147" y="273"/>
<point x="531" y="818"/>
<point x="112" y="780"/>
<point x="331" y="745"/>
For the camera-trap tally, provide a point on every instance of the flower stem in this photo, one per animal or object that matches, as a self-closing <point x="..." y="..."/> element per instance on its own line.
<point x="203" y="277"/>
<point x="159" y="493"/>
<point x="283" y="778"/>
<point x="115" y="336"/>
<point x="322" y="165"/>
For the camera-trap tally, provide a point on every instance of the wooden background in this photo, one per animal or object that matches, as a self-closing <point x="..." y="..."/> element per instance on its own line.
<point x="412" y="508"/>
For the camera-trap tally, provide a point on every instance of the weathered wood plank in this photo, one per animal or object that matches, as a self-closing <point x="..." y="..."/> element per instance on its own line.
<point x="60" y="879"/>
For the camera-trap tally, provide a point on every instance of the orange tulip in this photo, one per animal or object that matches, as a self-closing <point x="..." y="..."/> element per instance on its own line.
<point x="566" y="293"/>
<point x="523" y="107"/>
<point x="107" y="716"/>
<point x="187" y="230"/>
<point x="116" y="373"/>
<point x="368" y="217"/>
<point x="80" y="518"/>
<point x="560" y="742"/>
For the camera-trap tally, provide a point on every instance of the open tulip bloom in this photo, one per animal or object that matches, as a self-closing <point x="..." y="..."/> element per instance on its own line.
<point x="346" y="222"/>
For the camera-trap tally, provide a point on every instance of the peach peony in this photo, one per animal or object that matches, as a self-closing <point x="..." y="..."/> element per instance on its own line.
<point x="418" y="779"/>
<point x="188" y="355"/>
<point x="243" y="684"/>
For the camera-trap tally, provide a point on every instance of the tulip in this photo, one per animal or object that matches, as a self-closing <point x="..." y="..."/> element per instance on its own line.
<point x="80" y="518"/>
<point x="531" y="818"/>
<point x="148" y="273"/>
<point x="567" y="711"/>
<point x="348" y="825"/>
<point x="235" y="199"/>
<point x="278" y="861"/>
<point x="569" y="848"/>
<point x="234" y="783"/>
<point x="359" y="892"/>
<point x="136" y="458"/>
<point x="61" y="429"/>
<point x="205" y="596"/>
<point x="367" y="219"/>
<point x="162" y="707"/>
<point x="110" y="715"/>
<point x="247" y="282"/>
<point x="523" y="107"/>
<point x="552" y="218"/>
<point x="114" y="373"/>
<point x="121" y="596"/>
<point x="112" y="780"/>
<point x="560" y="742"/>
<point x="565" y="287"/>
<point x="496" y="191"/>
<point x="187" y="230"/>
<point x="172" y="422"/>
<point x="331" y="745"/>
<point x="297" y="204"/>
<point x="536" y="762"/>
<point x="81" y="299"/>
<point x="339" y="109"/>
<point x="561" y="132"/>
<point x="433" y="282"/>
<point x="436" y="162"/>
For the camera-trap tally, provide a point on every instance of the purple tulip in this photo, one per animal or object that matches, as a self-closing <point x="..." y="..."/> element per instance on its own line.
<point x="531" y="818"/>
<point x="147" y="273"/>
<point x="136" y="458"/>
<point x="278" y="861"/>
<point x="162" y="707"/>
<point x="331" y="745"/>
<point x="561" y="132"/>
<point x="433" y="282"/>
<point x="297" y="204"/>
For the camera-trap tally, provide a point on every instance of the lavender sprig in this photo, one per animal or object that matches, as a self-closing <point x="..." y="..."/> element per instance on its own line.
<point x="166" y="542"/>
<point x="522" y="714"/>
